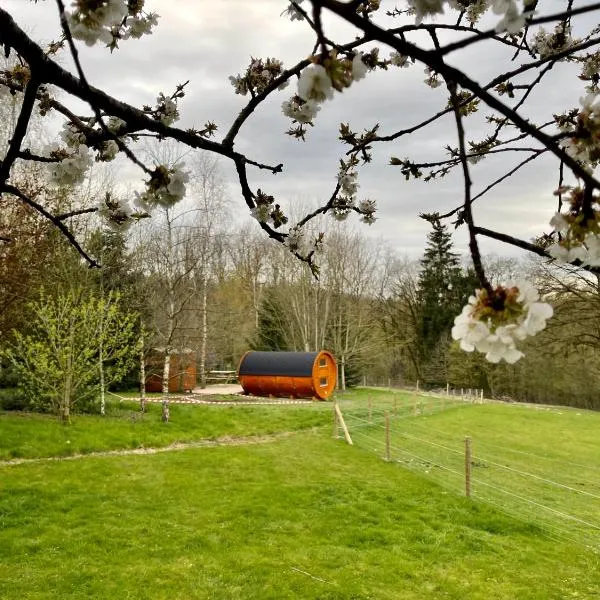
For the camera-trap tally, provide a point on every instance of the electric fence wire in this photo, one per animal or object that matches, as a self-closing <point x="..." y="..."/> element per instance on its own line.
<point x="427" y="462"/>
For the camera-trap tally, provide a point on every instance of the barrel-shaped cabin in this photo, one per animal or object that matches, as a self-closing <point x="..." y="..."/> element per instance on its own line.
<point x="288" y="374"/>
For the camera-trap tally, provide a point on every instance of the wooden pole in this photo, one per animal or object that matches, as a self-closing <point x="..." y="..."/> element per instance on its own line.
<point x="468" y="467"/>
<point x="388" y="453"/>
<point x="370" y="409"/>
<point x="335" y="421"/>
<point x="417" y="386"/>
<point x="341" y="421"/>
<point x="447" y="389"/>
<point x="481" y="396"/>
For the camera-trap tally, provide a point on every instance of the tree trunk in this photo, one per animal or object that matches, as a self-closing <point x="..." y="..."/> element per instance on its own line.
<point x="102" y="385"/>
<point x="203" y="336"/>
<point x="142" y="375"/>
<point x="65" y="409"/>
<point x="165" y="385"/>
<point x="343" y="372"/>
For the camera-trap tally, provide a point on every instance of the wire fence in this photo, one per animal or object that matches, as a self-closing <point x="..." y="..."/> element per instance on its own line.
<point x="557" y="497"/>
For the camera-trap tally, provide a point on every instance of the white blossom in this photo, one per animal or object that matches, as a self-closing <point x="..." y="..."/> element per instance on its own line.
<point x="367" y="209"/>
<point x="115" y="212"/>
<point x="359" y="68"/>
<point x="399" y="60"/>
<point x="293" y="13"/>
<point x="348" y="182"/>
<point x="71" y="170"/>
<point x="296" y="241"/>
<point x="71" y="136"/>
<point x="92" y="21"/>
<point x="315" y="84"/>
<point x="513" y="20"/>
<point x="469" y="331"/>
<point x="165" y="188"/>
<point x="261" y="212"/>
<point x="426" y="8"/>
<point x="115" y="125"/>
<point x="108" y="150"/>
<point x="496" y="331"/>
<point x="303" y="112"/>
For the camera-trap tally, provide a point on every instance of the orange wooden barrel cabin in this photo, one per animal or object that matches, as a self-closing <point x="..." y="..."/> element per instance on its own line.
<point x="288" y="374"/>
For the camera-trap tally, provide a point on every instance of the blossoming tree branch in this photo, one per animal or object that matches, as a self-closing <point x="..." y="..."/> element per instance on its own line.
<point x="495" y="320"/>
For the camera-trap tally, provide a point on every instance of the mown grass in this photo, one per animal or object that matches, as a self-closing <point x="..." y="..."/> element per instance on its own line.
<point x="27" y="435"/>
<point x="538" y="463"/>
<point x="305" y="517"/>
<point x="302" y="517"/>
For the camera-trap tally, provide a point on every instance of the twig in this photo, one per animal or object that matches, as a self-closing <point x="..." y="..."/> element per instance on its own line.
<point x="311" y="576"/>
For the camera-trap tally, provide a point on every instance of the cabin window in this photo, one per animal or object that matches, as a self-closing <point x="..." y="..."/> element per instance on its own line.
<point x="322" y="362"/>
<point x="323" y="382"/>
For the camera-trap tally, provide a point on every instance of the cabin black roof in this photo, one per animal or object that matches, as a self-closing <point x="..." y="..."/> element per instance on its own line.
<point x="291" y="364"/>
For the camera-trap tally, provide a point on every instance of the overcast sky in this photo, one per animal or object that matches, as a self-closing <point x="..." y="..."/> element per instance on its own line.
<point x="205" y="41"/>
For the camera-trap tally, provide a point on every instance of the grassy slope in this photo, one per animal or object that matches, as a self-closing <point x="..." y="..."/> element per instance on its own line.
<point x="234" y="522"/>
<point x="24" y="435"/>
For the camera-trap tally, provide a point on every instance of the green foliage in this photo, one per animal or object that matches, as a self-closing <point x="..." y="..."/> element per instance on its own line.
<point x="443" y="290"/>
<point x="57" y="362"/>
<point x="271" y="332"/>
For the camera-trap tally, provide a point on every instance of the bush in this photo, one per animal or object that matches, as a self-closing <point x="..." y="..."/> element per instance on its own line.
<point x="13" y="399"/>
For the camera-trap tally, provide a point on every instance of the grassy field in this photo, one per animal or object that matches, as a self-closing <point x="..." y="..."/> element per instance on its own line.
<point x="538" y="463"/>
<point x="304" y="516"/>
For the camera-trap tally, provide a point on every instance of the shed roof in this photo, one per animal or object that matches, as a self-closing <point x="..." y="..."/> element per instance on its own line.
<point x="292" y="364"/>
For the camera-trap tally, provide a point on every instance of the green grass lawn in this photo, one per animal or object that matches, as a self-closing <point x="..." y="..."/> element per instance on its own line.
<point x="540" y="464"/>
<point x="304" y="516"/>
<point x="25" y="435"/>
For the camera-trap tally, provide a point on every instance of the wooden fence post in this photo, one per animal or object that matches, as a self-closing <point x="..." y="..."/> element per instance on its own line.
<point x="447" y="389"/>
<point x="468" y="467"/>
<point x="335" y="421"/>
<point x="388" y="453"/>
<point x="341" y="421"/>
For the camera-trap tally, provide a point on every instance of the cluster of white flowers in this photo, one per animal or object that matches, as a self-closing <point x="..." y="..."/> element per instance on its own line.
<point x="513" y="19"/>
<point x="115" y="125"/>
<point x="116" y="212"/>
<point x="71" y="169"/>
<point x="583" y="143"/>
<point x="108" y="150"/>
<point x="303" y="112"/>
<point x="367" y="209"/>
<point x="109" y="20"/>
<point x="495" y="324"/>
<point x="71" y="136"/>
<point x="578" y="236"/>
<point x="399" y="60"/>
<point x="293" y="13"/>
<point x="546" y="44"/>
<point x="258" y="76"/>
<point x="432" y="79"/>
<point x="297" y="241"/>
<point x="165" y="188"/>
<point x="315" y="85"/>
<point x="359" y="68"/>
<point x="166" y="110"/>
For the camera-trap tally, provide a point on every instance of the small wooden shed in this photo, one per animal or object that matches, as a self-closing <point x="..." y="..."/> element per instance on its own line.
<point x="182" y="371"/>
<point x="288" y="374"/>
